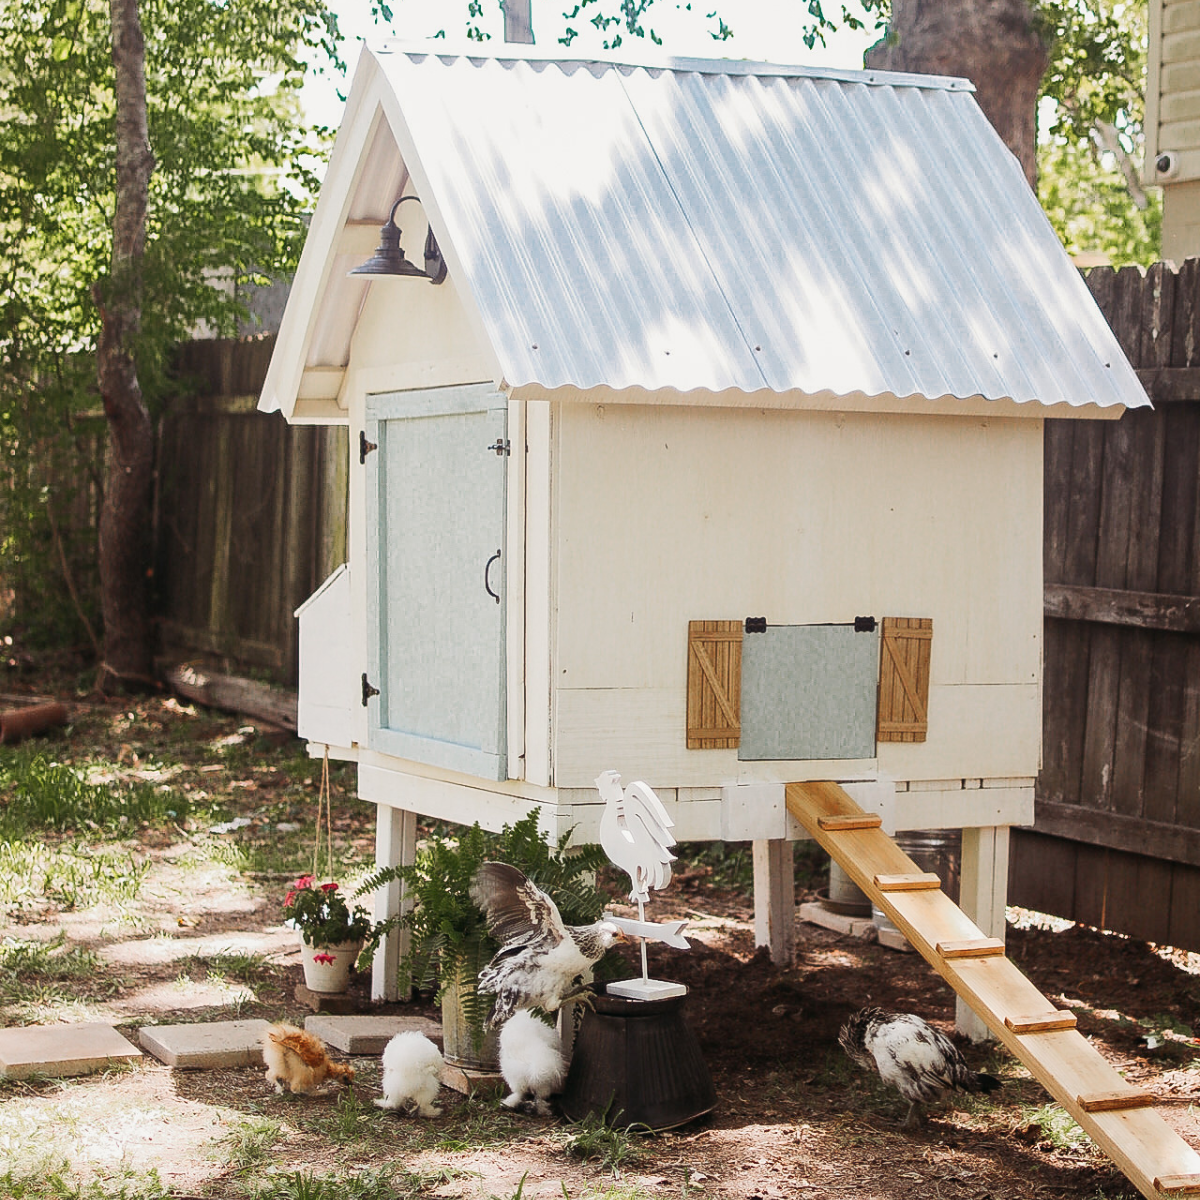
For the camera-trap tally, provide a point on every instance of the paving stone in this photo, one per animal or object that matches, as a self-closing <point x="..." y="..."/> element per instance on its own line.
<point x="206" y="1043"/>
<point x="816" y="913"/>
<point x="61" y="1050"/>
<point x="368" y="1034"/>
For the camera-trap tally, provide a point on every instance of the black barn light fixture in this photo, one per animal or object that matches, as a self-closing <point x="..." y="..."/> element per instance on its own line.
<point x="389" y="259"/>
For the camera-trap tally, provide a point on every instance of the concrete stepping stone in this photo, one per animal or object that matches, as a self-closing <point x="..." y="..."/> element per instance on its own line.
<point x="62" y="1050"/>
<point x="368" y="1034"/>
<point x="206" y="1043"/>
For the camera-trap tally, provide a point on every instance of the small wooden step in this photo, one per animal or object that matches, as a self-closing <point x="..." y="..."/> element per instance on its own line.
<point x="971" y="948"/>
<point x="921" y="881"/>
<point x="1115" y="1100"/>
<point x="1046" y="1022"/>
<point x="850" y="821"/>
<point x="1178" y="1185"/>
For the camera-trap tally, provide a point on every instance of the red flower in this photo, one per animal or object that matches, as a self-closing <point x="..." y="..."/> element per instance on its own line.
<point x="303" y="882"/>
<point x="329" y="887"/>
<point x="324" y="958"/>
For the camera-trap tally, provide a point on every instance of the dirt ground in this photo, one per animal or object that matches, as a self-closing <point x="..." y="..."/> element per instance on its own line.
<point x="793" y="1119"/>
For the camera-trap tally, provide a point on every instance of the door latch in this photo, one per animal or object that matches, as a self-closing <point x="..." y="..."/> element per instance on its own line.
<point x="501" y="446"/>
<point x="367" y="690"/>
<point x="365" y="447"/>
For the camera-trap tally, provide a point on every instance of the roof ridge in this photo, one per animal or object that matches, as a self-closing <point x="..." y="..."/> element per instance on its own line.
<point x="507" y="52"/>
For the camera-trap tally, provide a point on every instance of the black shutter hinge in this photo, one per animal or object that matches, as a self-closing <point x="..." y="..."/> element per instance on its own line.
<point x="365" y="447"/>
<point x="864" y="624"/>
<point x="756" y="624"/>
<point x="367" y="690"/>
<point x="501" y="446"/>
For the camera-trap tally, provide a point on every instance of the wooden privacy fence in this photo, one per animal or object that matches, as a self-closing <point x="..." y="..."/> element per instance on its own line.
<point x="251" y="512"/>
<point x="1116" y="840"/>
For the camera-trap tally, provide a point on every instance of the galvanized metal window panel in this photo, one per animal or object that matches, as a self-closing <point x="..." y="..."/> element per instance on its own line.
<point x="436" y="501"/>
<point x="809" y="692"/>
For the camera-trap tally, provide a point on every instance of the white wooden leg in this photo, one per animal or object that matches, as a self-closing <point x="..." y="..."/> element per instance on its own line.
<point x="395" y="845"/>
<point x="983" y="876"/>
<point x="775" y="899"/>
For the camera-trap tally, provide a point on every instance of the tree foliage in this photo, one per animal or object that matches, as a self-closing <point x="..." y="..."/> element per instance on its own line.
<point x="227" y="198"/>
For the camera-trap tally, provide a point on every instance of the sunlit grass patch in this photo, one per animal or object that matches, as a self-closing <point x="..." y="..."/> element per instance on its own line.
<point x="43" y="795"/>
<point x="53" y="1181"/>
<point x="69" y="875"/>
<point x="248" y="1144"/>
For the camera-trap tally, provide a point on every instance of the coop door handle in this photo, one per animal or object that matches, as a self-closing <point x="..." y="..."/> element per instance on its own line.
<point x="486" y="583"/>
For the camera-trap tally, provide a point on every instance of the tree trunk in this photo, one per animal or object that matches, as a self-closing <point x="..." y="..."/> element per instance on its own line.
<point x="991" y="42"/>
<point x="125" y="514"/>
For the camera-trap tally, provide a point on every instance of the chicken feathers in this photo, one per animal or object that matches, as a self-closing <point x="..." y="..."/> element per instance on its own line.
<point x="299" y="1060"/>
<point x="542" y="962"/>
<point x="921" y="1062"/>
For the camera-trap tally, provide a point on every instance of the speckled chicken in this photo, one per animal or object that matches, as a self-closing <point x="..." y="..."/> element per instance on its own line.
<point x="921" y="1062"/>
<point x="542" y="962"/>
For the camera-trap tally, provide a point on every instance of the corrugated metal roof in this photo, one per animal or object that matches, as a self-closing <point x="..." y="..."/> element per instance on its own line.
<point x="722" y="226"/>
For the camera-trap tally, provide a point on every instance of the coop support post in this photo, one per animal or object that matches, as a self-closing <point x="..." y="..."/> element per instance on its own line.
<point x="775" y="899"/>
<point x="395" y="845"/>
<point x="983" y="893"/>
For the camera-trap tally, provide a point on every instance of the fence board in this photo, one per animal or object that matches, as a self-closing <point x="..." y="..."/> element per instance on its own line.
<point x="251" y="513"/>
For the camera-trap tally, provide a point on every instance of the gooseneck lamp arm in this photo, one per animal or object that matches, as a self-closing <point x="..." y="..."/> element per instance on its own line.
<point x="389" y="259"/>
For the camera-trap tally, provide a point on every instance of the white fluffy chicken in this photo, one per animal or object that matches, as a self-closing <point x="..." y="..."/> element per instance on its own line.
<point x="412" y="1070"/>
<point x="542" y="962"/>
<point x="531" y="1061"/>
<point x="921" y="1062"/>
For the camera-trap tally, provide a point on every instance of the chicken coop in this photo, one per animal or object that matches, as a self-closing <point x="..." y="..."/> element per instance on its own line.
<point x="695" y="415"/>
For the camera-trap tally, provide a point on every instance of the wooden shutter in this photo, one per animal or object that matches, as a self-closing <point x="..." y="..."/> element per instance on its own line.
<point x="714" y="677"/>
<point x="904" y="679"/>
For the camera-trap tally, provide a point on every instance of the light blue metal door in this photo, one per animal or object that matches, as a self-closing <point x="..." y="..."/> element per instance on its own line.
<point x="435" y="535"/>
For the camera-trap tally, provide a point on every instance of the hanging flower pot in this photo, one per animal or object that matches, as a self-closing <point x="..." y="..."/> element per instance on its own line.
<point x="327" y="968"/>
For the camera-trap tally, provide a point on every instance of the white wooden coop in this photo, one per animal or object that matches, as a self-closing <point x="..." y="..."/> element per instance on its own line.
<point x="717" y="341"/>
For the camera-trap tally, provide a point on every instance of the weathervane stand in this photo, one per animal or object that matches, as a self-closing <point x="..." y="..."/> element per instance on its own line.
<point x="635" y="832"/>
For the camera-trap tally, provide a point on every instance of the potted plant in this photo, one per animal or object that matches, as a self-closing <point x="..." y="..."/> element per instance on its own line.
<point x="449" y="943"/>
<point x="333" y="936"/>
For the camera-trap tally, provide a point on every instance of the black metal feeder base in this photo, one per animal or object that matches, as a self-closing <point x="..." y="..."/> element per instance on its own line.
<point x="636" y="1062"/>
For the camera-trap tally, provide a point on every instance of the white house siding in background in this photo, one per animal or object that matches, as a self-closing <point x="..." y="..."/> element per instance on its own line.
<point x="1173" y="121"/>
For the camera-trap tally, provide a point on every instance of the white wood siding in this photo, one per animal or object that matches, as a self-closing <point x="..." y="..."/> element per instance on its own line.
<point x="666" y="515"/>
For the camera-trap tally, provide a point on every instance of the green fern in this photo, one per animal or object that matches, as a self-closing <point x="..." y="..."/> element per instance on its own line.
<point x="449" y="940"/>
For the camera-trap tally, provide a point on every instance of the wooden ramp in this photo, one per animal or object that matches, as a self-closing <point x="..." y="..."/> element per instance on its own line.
<point x="1119" y="1118"/>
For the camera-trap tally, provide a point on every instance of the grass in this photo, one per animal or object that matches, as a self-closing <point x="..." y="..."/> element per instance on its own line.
<point x="1057" y="1127"/>
<point x="42" y="794"/>
<point x="39" y="977"/>
<point x="55" y="1183"/>
<point x="248" y="1145"/>
<point x="592" y="1139"/>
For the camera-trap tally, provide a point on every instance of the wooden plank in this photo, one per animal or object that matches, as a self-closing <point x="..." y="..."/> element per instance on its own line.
<point x="1158" y="316"/>
<point x="1117" y="831"/>
<point x="970" y="948"/>
<point x="1170" y="385"/>
<point x="714" y="685"/>
<point x="845" y="823"/>
<point x="1114" y="1100"/>
<point x="916" y="882"/>
<point x="905" y="653"/>
<point x="1042" y="1022"/>
<point x="1178" y="1185"/>
<point x="1063" y="1061"/>
<point x="1118" y="606"/>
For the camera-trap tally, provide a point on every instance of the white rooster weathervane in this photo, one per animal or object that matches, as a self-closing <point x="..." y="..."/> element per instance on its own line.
<point x="635" y="832"/>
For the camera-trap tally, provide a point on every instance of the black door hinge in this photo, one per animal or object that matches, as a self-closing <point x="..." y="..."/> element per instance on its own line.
<point x="365" y="447"/>
<point x="501" y="446"/>
<point x="367" y="690"/>
<point x="756" y="624"/>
